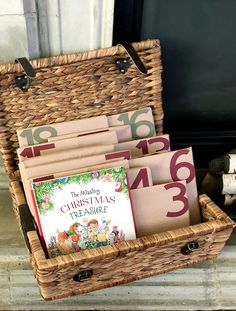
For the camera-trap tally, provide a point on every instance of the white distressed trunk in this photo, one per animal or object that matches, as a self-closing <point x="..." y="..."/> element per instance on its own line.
<point x="79" y="26"/>
<point x="13" y="39"/>
<point x="35" y="28"/>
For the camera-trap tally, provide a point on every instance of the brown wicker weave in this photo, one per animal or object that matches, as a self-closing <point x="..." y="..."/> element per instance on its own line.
<point x="77" y="86"/>
<point x="71" y="87"/>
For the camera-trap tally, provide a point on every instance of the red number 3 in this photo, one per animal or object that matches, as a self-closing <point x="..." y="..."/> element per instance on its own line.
<point x="179" y="197"/>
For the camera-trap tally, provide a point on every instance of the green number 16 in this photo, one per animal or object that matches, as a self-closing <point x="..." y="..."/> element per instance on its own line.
<point x="124" y="117"/>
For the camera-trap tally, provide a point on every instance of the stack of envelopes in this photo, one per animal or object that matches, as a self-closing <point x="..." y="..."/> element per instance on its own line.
<point x="97" y="181"/>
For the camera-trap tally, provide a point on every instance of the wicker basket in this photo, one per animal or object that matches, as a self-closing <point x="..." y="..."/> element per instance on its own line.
<point x="80" y="86"/>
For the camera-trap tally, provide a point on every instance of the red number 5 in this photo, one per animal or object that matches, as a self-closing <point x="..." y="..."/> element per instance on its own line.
<point x="179" y="197"/>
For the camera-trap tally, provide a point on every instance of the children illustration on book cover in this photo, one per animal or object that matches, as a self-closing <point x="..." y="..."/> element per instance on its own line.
<point x="84" y="211"/>
<point x="89" y="234"/>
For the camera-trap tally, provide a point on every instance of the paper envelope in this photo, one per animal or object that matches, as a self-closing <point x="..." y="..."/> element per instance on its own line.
<point x="123" y="132"/>
<point x="68" y="155"/>
<point x="108" y="164"/>
<point x="141" y="121"/>
<point x="139" y="177"/>
<point x="77" y="134"/>
<point x="174" y="166"/>
<point x="144" y="146"/>
<point x="76" y="163"/>
<point x="105" y="138"/>
<point x="40" y="134"/>
<point x="160" y="208"/>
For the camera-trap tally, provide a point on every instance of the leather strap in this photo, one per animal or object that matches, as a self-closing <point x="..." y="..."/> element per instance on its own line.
<point x="24" y="81"/>
<point x="28" y="69"/>
<point x="134" y="56"/>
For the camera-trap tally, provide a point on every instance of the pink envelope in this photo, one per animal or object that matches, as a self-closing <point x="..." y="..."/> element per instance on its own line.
<point x="145" y="146"/>
<point x="174" y="166"/>
<point x="160" y="208"/>
<point x="77" y="134"/>
<point x="40" y="134"/>
<point x="52" y="168"/>
<point x="139" y="177"/>
<point x="68" y="155"/>
<point x="123" y="132"/>
<point x="141" y="121"/>
<point x="105" y="138"/>
<point x="108" y="164"/>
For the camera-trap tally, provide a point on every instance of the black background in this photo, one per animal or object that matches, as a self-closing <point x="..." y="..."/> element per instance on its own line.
<point x="198" y="40"/>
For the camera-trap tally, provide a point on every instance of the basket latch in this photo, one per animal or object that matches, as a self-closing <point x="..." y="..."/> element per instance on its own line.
<point x="83" y="275"/>
<point x="24" y="81"/>
<point x="123" y="64"/>
<point x="190" y="247"/>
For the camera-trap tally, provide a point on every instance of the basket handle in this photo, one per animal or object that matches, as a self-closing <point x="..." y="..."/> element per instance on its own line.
<point x="27" y="223"/>
<point x="123" y="64"/>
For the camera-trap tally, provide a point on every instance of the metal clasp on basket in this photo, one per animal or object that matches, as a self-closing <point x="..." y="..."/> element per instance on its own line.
<point x="189" y="247"/>
<point x="83" y="275"/>
<point x="123" y="64"/>
<point x="24" y="81"/>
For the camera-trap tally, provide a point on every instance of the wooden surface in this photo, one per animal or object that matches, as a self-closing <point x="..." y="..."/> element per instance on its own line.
<point x="210" y="286"/>
<point x="3" y="177"/>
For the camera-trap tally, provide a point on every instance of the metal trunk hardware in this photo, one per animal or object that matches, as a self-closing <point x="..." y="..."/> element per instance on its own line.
<point x="83" y="275"/>
<point x="190" y="247"/>
<point x="24" y="81"/>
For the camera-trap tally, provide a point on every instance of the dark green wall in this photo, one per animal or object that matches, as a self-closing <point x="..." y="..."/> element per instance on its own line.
<point x="198" y="39"/>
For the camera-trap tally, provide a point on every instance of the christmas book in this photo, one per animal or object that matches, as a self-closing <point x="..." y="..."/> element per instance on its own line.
<point x="84" y="211"/>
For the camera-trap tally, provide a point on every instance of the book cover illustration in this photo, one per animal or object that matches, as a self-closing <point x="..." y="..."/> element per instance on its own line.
<point x="84" y="211"/>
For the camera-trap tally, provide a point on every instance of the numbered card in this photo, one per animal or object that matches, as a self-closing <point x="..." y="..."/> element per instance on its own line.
<point x="141" y="122"/>
<point x="69" y="154"/>
<point x="105" y="138"/>
<point x="41" y="134"/>
<point x="174" y="166"/>
<point x="145" y="146"/>
<point x="139" y="177"/>
<point x="160" y="208"/>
